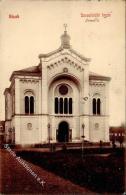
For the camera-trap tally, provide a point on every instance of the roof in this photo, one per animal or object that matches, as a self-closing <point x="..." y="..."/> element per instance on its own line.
<point x="61" y="49"/>
<point x="31" y="71"/>
<point x="117" y="129"/>
<point x="36" y="71"/>
<point x="95" y="76"/>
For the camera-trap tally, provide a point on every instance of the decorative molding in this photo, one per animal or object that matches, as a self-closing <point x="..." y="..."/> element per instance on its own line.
<point x="96" y="94"/>
<point x="65" y="69"/>
<point x="99" y="84"/>
<point x="64" y="60"/>
<point x="29" y="81"/>
<point x="63" y="116"/>
<point x="62" y="51"/>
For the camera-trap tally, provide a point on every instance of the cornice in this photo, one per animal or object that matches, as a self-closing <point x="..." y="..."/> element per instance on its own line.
<point x="100" y="84"/>
<point x="26" y="80"/>
<point x="62" y="50"/>
<point x="99" y="77"/>
<point x="18" y="73"/>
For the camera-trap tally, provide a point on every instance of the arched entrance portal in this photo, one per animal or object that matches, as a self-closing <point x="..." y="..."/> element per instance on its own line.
<point x="63" y="132"/>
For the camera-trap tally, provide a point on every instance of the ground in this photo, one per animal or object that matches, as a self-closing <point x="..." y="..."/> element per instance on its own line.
<point x="15" y="179"/>
<point x="101" y="169"/>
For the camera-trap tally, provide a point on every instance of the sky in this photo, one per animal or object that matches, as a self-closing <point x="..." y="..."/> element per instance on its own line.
<point x="97" y="30"/>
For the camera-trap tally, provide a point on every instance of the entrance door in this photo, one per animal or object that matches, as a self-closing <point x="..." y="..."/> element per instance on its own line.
<point x="63" y="132"/>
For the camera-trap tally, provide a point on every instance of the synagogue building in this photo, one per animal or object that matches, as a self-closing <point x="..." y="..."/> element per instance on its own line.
<point x="59" y="100"/>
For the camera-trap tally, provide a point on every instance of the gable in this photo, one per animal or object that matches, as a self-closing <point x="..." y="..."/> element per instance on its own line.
<point x="66" y="61"/>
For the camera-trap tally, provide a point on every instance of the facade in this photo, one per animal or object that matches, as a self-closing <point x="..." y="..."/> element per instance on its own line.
<point x="58" y="100"/>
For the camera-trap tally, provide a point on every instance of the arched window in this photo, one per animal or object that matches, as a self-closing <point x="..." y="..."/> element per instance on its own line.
<point x="26" y="105"/>
<point x="65" y="106"/>
<point x="94" y="106"/>
<point x="61" y="105"/>
<point x="63" y="94"/>
<point x="70" y="105"/>
<point x="56" y="105"/>
<point x="31" y="105"/>
<point x="98" y="105"/>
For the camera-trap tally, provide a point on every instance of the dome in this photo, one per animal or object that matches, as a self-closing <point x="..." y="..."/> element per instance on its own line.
<point x="65" y="40"/>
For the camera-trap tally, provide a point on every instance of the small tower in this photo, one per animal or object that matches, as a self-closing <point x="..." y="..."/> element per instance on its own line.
<point x="65" y="39"/>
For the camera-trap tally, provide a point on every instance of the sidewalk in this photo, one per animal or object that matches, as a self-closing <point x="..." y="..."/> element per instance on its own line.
<point x="15" y="179"/>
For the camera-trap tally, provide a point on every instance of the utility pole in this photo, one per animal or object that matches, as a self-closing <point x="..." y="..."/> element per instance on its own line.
<point x="49" y="133"/>
<point x="83" y="140"/>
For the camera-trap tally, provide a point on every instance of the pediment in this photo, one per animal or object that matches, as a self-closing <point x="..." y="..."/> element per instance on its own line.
<point x="62" y="51"/>
<point x="67" y="59"/>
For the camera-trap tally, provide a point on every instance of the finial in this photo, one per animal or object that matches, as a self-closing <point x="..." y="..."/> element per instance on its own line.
<point x="65" y="26"/>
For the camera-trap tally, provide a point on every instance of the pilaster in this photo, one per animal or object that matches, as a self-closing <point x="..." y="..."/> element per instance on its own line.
<point x="44" y="89"/>
<point x="84" y="119"/>
<point x="44" y="105"/>
<point x="85" y="91"/>
<point x="17" y="96"/>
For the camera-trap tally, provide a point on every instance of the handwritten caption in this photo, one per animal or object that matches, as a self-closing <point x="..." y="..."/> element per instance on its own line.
<point x="95" y="17"/>
<point x="13" y="16"/>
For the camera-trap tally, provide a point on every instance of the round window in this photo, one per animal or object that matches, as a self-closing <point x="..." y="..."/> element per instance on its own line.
<point x="63" y="89"/>
<point x="29" y="126"/>
<point x="96" y="126"/>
